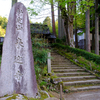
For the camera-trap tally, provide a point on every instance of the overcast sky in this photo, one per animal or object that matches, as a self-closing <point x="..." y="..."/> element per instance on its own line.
<point x="5" y="6"/>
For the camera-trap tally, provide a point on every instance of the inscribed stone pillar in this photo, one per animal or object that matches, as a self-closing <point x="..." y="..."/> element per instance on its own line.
<point x="17" y="73"/>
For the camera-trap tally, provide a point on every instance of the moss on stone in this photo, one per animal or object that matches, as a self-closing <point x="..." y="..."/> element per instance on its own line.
<point x="13" y="97"/>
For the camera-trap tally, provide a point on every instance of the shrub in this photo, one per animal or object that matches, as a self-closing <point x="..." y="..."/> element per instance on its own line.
<point x="40" y="57"/>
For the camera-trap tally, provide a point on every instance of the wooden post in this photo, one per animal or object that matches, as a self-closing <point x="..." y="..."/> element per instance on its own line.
<point x="49" y="63"/>
<point x="60" y="92"/>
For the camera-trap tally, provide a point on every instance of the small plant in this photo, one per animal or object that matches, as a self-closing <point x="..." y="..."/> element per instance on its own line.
<point x="43" y="83"/>
<point x="40" y="54"/>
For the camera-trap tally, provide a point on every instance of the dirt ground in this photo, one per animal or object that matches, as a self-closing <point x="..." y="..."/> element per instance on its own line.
<point x="82" y="95"/>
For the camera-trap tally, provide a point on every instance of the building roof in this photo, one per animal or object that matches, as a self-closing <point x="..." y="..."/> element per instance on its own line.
<point x="39" y="29"/>
<point x="51" y="36"/>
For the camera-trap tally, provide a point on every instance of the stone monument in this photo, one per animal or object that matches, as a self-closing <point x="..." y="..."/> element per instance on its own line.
<point x="17" y="73"/>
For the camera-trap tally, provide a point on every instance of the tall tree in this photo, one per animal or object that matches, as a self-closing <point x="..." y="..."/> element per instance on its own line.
<point x="61" y="29"/>
<point x="59" y="22"/>
<point x="92" y="11"/>
<point x="67" y="8"/>
<point x="76" y="37"/>
<point x="47" y="21"/>
<point x="3" y="22"/>
<point x="13" y="2"/>
<point x="64" y="15"/>
<point x="88" y="29"/>
<point x="2" y="32"/>
<point x="96" y="29"/>
<point x="53" y="18"/>
<point x="71" y="12"/>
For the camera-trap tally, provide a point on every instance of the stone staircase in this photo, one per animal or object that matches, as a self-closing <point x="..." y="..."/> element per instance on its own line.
<point x="74" y="77"/>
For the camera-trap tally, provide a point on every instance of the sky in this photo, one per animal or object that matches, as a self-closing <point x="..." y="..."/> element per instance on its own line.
<point x="5" y="7"/>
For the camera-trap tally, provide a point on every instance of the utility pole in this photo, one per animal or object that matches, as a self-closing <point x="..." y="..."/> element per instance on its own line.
<point x="53" y="19"/>
<point x="13" y="2"/>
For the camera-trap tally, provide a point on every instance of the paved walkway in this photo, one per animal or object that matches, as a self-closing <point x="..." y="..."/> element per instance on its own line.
<point x="86" y="95"/>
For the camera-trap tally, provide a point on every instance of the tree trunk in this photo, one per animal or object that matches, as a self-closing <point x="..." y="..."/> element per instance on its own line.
<point x="65" y="19"/>
<point x="96" y="29"/>
<point x="13" y="2"/>
<point x="88" y="30"/>
<point x="59" y="22"/>
<point x="70" y="32"/>
<point x="71" y="12"/>
<point x="93" y="31"/>
<point x="53" y="19"/>
<point x="76" y="38"/>
<point x="93" y="39"/>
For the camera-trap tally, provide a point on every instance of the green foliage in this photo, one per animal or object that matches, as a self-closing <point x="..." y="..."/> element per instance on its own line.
<point x="40" y="56"/>
<point x="2" y="32"/>
<point x="79" y="52"/>
<point x="3" y="22"/>
<point x="59" y="41"/>
<point x="39" y="52"/>
<point x="43" y="83"/>
<point x="56" y="27"/>
<point x="47" y="21"/>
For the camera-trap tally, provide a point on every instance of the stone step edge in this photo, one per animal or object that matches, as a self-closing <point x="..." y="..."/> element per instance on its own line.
<point x="81" y="82"/>
<point x="72" y="73"/>
<point x="83" y="88"/>
<point x="75" y="77"/>
<point x="66" y="68"/>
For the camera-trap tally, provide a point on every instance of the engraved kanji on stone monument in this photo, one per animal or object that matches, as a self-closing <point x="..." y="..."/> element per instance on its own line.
<point x="17" y="73"/>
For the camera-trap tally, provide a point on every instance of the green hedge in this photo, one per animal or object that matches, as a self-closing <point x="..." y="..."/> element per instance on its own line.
<point x="79" y="52"/>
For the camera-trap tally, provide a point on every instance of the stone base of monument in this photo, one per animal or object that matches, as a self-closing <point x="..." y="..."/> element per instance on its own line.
<point x="14" y="97"/>
<point x="41" y="95"/>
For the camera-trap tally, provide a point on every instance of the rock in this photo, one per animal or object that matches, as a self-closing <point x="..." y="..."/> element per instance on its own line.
<point x="57" y="81"/>
<point x="75" y="60"/>
<point x="53" y="98"/>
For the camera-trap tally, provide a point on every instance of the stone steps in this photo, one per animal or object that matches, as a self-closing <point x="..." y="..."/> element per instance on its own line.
<point x="73" y="83"/>
<point x="84" y="88"/>
<point x="61" y="64"/>
<point x="72" y="74"/>
<point x="74" y="77"/>
<point x="70" y="65"/>
<point x="67" y="70"/>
